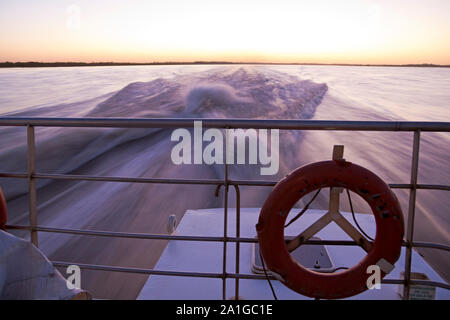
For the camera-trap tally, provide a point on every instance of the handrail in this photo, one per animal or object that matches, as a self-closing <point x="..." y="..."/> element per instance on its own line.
<point x="255" y="183"/>
<point x="229" y="123"/>
<point x="394" y="126"/>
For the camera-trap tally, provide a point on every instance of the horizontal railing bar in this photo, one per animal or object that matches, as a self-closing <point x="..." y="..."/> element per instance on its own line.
<point x="392" y="281"/>
<point x="184" y="181"/>
<point x="166" y="237"/>
<point x="392" y="185"/>
<point x="157" y="272"/>
<point x="116" y="234"/>
<point x="129" y="180"/>
<point x="138" y="270"/>
<point x="215" y="275"/>
<point x="255" y="183"/>
<point x="13" y="175"/>
<point x="417" y="282"/>
<point x="430" y="283"/>
<point x="163" y="236"/>
<point x="421" y="186"/>
<point x="228" y="123"/>
<point x="432" y="187"/>
<point x="400" y="186"/>
<point x="431" y="245"/>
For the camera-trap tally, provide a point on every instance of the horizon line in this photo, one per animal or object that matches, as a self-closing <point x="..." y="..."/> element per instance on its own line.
<point x="30" y="64"/>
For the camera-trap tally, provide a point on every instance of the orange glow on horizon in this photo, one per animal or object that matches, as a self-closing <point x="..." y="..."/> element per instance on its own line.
<point x="324" y="31"/>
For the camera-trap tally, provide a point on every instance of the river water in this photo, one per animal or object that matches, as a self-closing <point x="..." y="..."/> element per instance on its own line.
<point x="257" y="92"/>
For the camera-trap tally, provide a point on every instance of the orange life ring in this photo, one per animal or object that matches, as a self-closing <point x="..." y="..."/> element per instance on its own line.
<point x="385" y="248"/>
<point x="3" y="212"/>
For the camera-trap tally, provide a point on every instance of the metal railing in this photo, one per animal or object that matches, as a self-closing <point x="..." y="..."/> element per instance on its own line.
<point x="31" y="175"/>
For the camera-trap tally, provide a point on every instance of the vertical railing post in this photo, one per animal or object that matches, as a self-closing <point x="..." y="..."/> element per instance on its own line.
<point x="225" y="222"/>
<point x="238" y="234"/>
<point x="31" y="149"/>
<point x="411" y="213"/>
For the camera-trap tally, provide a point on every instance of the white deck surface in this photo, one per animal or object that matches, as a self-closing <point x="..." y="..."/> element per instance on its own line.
<point x="207" y="257"/>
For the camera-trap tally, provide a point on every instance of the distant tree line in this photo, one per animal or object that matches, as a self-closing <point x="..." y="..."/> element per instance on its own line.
<point x="32" y="64"/>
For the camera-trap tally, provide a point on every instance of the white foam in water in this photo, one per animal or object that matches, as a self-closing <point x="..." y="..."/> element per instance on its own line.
<point x="259" y="92"/>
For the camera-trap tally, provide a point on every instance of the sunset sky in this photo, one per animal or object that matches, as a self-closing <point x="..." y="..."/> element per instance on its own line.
<point x="321" y="31"/>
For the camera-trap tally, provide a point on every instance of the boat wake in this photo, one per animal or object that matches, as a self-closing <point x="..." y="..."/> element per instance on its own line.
<point x="241" y="92"/>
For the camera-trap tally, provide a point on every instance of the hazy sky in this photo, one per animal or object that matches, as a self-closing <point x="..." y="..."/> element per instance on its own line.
<point x="344" y="31"/>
